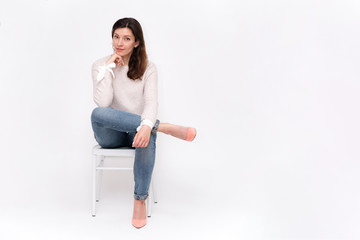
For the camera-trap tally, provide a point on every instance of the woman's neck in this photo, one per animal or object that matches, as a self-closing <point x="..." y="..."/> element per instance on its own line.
<point x="126" y="60"/>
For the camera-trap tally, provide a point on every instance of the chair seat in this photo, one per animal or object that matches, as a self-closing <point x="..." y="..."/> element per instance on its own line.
<point x="114" y="152"/>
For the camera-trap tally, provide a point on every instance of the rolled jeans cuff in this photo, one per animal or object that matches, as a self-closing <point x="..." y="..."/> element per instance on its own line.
<point x="154" y="129"/>
<point x="140" y="197"/>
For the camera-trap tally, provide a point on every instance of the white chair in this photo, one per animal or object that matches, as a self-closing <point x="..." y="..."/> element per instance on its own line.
<point x="99" y="157"/>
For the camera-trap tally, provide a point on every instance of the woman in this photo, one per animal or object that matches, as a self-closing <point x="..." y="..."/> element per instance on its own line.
<point x="125" y="90"/>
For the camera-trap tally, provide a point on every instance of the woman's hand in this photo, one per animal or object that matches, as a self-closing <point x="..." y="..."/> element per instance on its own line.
<point x="142" y="137"/>
<point x="115" y="58"/>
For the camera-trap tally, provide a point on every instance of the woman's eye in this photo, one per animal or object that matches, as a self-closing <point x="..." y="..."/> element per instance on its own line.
<point x="116" y="37"/>
<point x="127" y="39"/>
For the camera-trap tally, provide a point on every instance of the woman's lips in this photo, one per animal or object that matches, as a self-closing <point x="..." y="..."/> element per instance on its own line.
<point x="118" y="49"/>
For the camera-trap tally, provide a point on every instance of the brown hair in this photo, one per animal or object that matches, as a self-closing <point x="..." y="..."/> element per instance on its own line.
<point x="138" y="59"/>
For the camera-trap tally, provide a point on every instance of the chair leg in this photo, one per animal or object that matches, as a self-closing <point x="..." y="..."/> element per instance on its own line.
<point x="94" y="173"/>
<point x="149" y="201"/>
<point x="154" y="190"/>
<point x="100" y="179"/>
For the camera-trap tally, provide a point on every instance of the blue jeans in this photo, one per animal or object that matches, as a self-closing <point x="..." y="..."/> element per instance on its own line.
<point x="114" y="128"/>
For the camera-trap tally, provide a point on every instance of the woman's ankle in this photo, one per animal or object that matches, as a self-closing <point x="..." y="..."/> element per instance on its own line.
<point x="164" y="128"/>
<point x="139" y="209"/>
<point x="184" y="133"/>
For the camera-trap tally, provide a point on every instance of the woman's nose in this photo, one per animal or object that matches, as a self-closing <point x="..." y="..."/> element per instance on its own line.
<point x="119" y="42"/>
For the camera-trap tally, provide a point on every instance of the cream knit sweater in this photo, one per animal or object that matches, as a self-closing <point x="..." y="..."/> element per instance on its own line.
<point x="122" y="93"/>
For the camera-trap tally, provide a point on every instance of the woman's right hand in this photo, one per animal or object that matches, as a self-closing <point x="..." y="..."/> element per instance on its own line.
<point x="115" y="58"/>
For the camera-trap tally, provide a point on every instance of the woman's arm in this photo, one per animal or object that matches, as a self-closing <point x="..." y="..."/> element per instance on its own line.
<point x="150" y="94"/>
<point x="102" y="82"/>
<point x="149" y="115"/>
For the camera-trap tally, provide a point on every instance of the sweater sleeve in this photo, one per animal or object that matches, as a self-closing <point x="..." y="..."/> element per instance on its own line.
<point x="150" y="94"/>
<point x="103" y="90"/>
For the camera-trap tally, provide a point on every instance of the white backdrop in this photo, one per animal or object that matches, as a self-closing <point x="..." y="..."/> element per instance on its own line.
<point x="271" y="86"/>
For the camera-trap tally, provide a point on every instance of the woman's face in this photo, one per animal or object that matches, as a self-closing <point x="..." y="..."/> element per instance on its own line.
<point x="124" y="42"/>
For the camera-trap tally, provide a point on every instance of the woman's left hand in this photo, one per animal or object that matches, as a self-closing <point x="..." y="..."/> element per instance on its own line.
<point x="142" y="137"/>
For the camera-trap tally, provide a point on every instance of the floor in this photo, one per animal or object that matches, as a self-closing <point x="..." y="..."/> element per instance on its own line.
<point x="259" y="210"/>
<point x="172" y="218"/>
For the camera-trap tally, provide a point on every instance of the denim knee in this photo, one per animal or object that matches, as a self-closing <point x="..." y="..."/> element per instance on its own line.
<point x="97" y="114"/>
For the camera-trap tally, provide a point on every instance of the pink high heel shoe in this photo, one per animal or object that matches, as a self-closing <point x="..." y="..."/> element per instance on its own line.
<point x="191" y="134"/>
<point x="138" y="223"/>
